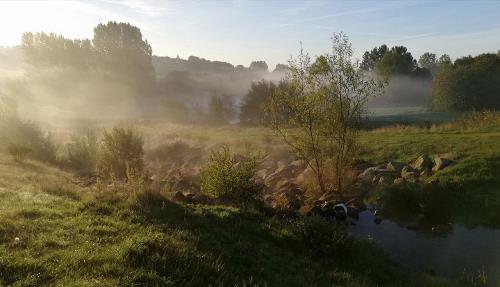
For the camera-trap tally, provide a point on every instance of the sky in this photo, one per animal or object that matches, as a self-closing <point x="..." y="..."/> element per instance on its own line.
<point x="240" y="31"/>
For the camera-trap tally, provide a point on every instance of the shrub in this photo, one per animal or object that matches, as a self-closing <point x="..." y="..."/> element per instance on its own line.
<point x="81" y="153"/>
<point x="120" y="154"/>
<point x="320" y="237"/>
<point x="225" y="178"/>
<point x="19" y="133"/>
<point x="19" y="152"/>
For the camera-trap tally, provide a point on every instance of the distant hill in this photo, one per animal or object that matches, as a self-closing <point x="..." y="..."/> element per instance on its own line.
<point x="195" y="79"/>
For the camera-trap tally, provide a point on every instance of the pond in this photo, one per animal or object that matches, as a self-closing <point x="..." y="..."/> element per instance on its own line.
<point x="446" y="254"/>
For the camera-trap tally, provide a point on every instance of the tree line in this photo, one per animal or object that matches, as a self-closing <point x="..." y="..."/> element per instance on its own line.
<point x="466" y="84"/>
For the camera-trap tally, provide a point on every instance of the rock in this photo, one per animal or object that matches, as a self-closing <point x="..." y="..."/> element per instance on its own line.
<point x="287" y="195"/>
<point x="368" y="174"/>
<point x="395" y="166"/>
<point x="328" y="209"/>
<point x="426" y="172"/>
<point x="399" y="180"/>
<point x="422" y="162"/>
<point x="409" y="174"/>
<point x="334" y="210"/>
<point x="384" y="179"/>
<point x="179" y="196"/>
<point x="440" y="163"/>
<point x="281" y="173"/>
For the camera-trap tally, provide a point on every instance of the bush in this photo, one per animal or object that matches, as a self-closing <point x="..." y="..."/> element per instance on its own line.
<point x="81" y="153"/>
<point x="120" y="155"/>
<point x="19" y="133"/>
<point x="19" y="152"/>
<point x="225" y="178"/>
<point x="321" y="237"/>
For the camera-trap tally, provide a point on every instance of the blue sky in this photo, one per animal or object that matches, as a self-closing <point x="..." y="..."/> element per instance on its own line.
<point x="240" y="31"/>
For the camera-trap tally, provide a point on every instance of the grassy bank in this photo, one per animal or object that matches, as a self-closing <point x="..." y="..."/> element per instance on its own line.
<point x="54" y="232"/>
<point x="472" y="185"/>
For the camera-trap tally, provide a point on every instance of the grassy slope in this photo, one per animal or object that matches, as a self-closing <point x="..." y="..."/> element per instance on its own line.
<point x="71" y="236"/>
<point x="475" y="176"/>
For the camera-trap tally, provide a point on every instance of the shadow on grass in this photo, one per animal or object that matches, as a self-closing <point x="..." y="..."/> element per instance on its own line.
<point x="241" y="249"/>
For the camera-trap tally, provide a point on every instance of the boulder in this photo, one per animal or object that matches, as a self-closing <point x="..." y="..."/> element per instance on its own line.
<point x="328" y="209"/>
<point x="399" y="181"/>
<point x="410" y="176"/>
<point x="286" y="172"/>
<point x="287" y="196"/>
<point x="440" y="163"/>
<point x="179" y="196"/>
<point x="395" y="166"/>
<point x="385" y="179"/>
<point x="426" y="172"/>
<point x="422" y="162"/>
<point x="368" y="174"/>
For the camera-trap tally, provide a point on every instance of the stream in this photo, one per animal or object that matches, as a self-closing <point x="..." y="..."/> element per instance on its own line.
<point x="446" y="254"/>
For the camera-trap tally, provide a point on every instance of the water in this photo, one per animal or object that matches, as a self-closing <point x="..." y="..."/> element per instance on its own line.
<point x="447" y="254"/>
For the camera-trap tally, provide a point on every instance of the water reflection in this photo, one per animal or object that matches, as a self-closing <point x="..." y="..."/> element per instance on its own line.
<point x="447" y="251"/>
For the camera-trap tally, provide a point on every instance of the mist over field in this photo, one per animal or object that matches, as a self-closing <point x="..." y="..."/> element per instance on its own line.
<point x="357" y="145"/>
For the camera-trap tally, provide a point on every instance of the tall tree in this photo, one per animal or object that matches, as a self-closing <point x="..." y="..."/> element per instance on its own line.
<point x="428" y="61"/>
<point x="251" y="112"/>
<point x="259" y="66"/>
<point x="370" y="59"/>
<point x="470" y="83"/>
<point x="124" y="53"/>
<point x="444" y="60"/>
<point x="397" y="61"/>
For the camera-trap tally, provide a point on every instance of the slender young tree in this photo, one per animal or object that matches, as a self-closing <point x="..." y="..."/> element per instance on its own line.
<point x="324" y="103"/>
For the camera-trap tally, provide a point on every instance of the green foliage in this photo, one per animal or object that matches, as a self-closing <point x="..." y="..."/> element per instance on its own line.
<point x="258" y="66"/>
<point x="81" y="153"/>
<point x="15" y="132"/>
<point x="428" y="61"/>
<point x="122" y="51"/>
<point x="252" y="108"/>
<point x="223" y="177"/>
<point x="220" y="110"/>
<point x="120" y="154"/>
<point x="371" y="58"/>
<point x="319" y="112"/>
<point x="321" y="237"/>
<point x="471" y="83"/>
<point x="396" y="61"/>
<point x="42" y="50"/>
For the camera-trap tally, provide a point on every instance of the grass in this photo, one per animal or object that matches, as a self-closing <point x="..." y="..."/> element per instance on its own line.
<point x="56" y="233"/>
<point x="475" y="199"/>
